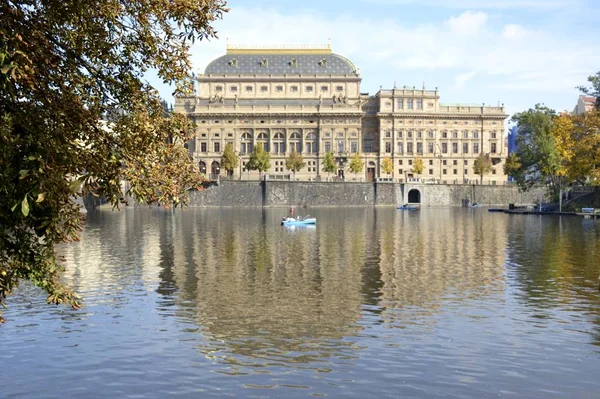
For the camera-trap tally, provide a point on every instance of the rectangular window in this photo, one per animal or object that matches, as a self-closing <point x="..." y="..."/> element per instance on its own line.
<point x="217" y="147"/>
<point x="324" y="88"/>
<point x="466" y="171"/>
<point x="455" y="171"/>
<point x="409" y="148"/>
<point x="444" y="135"/>
<point x="219" y="88"/>
<point x="410" y="135"/>
<point x="431" y="162"/>
<point x="410" y="162"/>
<point x="444" y="148"/>
<point x="279" y="89"/>
<point x="493" y="171"/>
<point x="465" y="134"/>
<point x="233" y="89"/>
<point x="455" y="134"/>
<point x="419" y="134"/>
<point x="455" y="162"/>
<point x="409" y="103"/>
<point x="400" y="171"/>
<point x="327" y="146"/>
<point x="493" y="148"/>
<point x="388" y="147"/>
<point x="388" y="134"/>
<point x="475" y="135"/>
<point x="419" y="104"/>
<point x="465" y="148"/>
<point x="309" y="89"/>
<point x="444" y="162"/>
<point x="400" y="103"/>
<point x="430" y="171"/>
<point x="493" y="134"/>
<point x="203" y="147"/>
<point x="445" y="172"/>
<point x="419" y="148"/>
<point x="400" y="149"/>
<point x="353" y="147"/>
<point x="340" y="145"/>
<point x="339" y="88"/>
<point x="455" y="148"/>
<point x="430" y="148"/>
<point x="430" y="134"/>
<point x="399" y="134"/>
<point x="264" y="89"/>
<point x="248" y="88"/>
<point x="293" y="89"/>
<point x="475" y="148"/>
<point x="400" y="162"/>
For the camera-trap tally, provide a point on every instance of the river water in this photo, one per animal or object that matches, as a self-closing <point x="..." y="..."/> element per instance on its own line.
<point x="453" y="303"/>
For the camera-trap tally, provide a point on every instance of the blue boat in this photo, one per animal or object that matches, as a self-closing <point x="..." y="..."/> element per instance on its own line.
<point x="299" y="221"/>
<point x="408" y="207"/>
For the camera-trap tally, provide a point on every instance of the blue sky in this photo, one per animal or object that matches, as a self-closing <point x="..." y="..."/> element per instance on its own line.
<point x="516" y="52"/>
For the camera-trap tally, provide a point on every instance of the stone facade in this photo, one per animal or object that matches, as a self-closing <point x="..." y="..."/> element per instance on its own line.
<point x="309" y="99"/>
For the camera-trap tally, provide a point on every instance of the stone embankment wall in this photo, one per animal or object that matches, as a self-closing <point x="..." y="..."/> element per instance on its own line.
<point x="286" y="193"/>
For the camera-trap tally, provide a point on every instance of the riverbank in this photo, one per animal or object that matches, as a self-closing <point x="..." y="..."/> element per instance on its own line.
<point x="268" y="194"/>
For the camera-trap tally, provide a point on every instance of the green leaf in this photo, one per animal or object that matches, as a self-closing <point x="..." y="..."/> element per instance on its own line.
<point x="25" y="206"/>
<point x="14" y="207"/>
<point x="74" y="186"/>
<point x="41" y="197"/>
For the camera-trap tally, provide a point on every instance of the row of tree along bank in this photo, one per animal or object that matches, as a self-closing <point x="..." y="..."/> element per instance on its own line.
<point x="560" y="150"/>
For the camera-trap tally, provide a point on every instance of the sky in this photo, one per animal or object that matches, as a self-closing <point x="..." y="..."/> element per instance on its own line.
<point x="515" y="52"/>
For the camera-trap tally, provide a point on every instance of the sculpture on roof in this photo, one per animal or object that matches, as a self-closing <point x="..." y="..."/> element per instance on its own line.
<point x="340" y="98"/>
<point x="216" y="98"/>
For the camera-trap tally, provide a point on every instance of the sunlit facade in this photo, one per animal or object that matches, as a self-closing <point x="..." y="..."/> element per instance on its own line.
<point x="309" y="99"/>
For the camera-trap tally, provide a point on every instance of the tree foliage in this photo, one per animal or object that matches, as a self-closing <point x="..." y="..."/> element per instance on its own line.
<point x="418" y="166"/>
<point x="593" y="91"/>
<point x="259" y="159"/>
<point x="387" y="166"/>
<point x="294" y="162"/>
<point x="65" y="66"/>
<point x="229" y="159"/>
<point x="482" y="166"/>
<point x="328" y="163"/>
<point x="356" y="164"/>
<point x="512" y="165"/>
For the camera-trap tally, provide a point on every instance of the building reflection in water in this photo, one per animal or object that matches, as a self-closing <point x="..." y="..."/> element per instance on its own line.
<point x="263" y="294"/>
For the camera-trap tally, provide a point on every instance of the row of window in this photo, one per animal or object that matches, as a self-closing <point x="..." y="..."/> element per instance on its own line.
<point x="431" y="148"/>
<point x="279" y="89"/>
<point x="445" y="171"/>
<point x="431" y="134"/>
<point x="409" y="103"/>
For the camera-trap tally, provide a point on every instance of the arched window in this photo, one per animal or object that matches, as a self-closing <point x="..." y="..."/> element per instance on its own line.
<point x="295" y="142"/>
<point x="279" y="143"/>
<point x="246" y="146"/>
<point x="263" y="138"/>
<point x="202" y="166"/>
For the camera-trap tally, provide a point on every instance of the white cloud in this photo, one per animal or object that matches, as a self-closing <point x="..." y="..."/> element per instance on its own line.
<point x="463" y="78"/>
<point x="468" y="23"/>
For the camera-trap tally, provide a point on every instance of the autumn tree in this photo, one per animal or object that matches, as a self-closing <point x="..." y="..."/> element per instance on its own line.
<point x="584" y="165"/>
<point x="482" y="166"/>
<point x="64" y="67"/>
<point x="328" y="163"/>
<point x="356" y="164"/>
<point x="229" y="159"/>
<point x="418" y="166"/>
<point x="294" y="162"/>
<point x="259" y="160"/>
<point x="387" y="166"/>
<point x="512" y="165"/>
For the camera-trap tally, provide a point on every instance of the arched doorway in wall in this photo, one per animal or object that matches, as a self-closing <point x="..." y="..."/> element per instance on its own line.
<point x="215" y="169"/>
<point x="414" y="196"/>
<point x="202" y="166"/>
<point x="371" y="168"/>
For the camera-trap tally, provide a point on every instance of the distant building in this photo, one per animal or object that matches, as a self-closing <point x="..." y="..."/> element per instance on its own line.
<point x="308" y="99"/>
<point x="512" y="139"/>
<point x="584" y="104"/>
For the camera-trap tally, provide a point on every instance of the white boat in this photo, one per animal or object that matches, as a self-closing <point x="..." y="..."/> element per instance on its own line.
<point x="298" y="221"/>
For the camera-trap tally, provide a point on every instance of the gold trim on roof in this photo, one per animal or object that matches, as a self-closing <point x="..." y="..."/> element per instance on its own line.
<point x="300" y="49"/>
